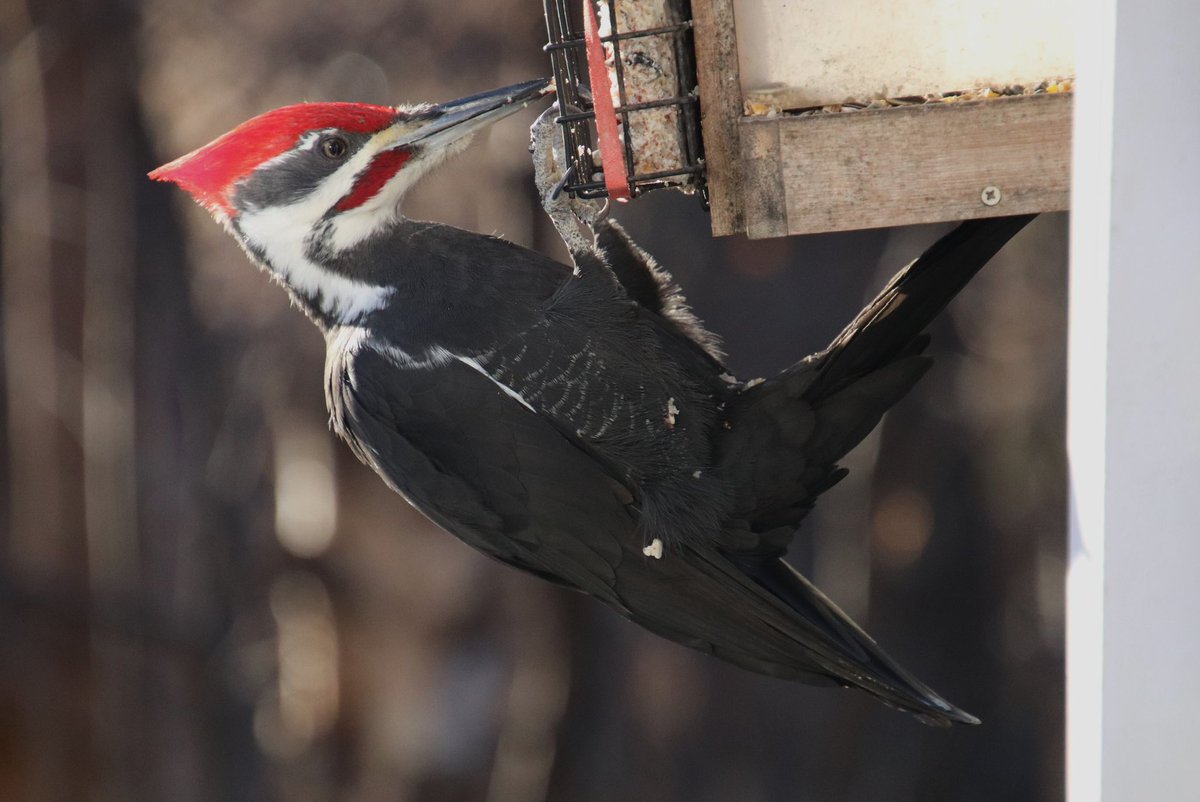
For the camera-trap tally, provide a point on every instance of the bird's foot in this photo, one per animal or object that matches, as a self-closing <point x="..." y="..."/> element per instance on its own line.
<point x="551" y="177"/>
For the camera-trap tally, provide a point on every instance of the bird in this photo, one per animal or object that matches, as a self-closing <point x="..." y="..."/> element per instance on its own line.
<point x="576" y="422"/>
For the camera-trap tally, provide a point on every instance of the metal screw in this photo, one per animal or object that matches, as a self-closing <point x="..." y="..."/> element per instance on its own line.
<point x="990" y="195"/>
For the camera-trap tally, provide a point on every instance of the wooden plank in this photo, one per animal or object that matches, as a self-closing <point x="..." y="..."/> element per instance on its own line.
<point x="915" y="164"/>
<point x="720" y="110"/>
<point x="765" y="201"/>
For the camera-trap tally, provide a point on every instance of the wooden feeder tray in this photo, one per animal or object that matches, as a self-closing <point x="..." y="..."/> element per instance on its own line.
<point x="769" y="175"/>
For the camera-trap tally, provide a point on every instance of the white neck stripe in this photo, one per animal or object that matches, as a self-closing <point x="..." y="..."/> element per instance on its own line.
<point x="282" y="237"/>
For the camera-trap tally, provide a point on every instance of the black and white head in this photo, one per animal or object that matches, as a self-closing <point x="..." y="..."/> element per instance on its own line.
<point x="300" y="185"/>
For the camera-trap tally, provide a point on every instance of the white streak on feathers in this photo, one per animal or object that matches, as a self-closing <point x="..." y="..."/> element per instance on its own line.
<point x="433" y="358"/>
<point x="510" y="392"/>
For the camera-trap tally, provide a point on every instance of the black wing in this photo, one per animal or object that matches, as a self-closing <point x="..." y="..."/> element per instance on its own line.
<point x="483" y="467"/>
<point x="638" y="395"/>
<point x="506" y="480"/>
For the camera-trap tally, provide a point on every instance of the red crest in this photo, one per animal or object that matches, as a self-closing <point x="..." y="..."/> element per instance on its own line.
<point x="210" y="172"/>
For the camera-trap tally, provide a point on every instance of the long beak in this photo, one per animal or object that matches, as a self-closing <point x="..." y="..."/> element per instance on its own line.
<point x="458" y="118"/>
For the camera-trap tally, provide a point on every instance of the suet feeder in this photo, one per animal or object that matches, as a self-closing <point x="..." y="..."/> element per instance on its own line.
<point x="626" y="80"/>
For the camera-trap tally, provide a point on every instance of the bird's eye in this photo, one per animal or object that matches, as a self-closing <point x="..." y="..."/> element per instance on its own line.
<point x="333" y="147"/>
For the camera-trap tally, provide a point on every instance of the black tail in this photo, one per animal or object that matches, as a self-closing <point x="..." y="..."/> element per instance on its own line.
<point x="877" y="359"/>
<point x="891" y="325"/>
<point x="843" y="651"/>
<point x="787" y="434"/>
<point x="785" y="437"/>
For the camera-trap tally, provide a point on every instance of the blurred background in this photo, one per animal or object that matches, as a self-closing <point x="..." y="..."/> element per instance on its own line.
<point x="203" y="596"/>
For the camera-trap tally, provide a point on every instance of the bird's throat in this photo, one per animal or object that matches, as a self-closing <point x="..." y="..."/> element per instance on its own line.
<point x="272" y="239"/>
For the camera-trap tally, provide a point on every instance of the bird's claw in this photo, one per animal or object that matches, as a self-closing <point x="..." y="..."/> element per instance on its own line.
<point x="562" y="183"/>
<point x="552" y="177"/>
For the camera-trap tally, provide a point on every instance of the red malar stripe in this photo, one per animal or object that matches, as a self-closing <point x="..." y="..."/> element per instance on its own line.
<point x="378" y="173"/>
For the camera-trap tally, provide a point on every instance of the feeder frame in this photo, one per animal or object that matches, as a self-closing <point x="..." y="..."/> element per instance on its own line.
<point x="567" y="50"/>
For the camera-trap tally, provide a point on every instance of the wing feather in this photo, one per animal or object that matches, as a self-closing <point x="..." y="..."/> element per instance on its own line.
<point x="484" y="467"/>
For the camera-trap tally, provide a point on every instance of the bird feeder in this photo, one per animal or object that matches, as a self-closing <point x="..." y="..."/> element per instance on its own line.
<point x="626" y="81"/>
<point x="810" y="116"/>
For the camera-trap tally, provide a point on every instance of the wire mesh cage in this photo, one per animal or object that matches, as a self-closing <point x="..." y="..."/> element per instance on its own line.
<point x="642" y="58"/>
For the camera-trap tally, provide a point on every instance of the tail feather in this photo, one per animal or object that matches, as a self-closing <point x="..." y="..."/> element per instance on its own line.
<point x="787" y="434"/>
<point x="847" y="416"/>
<point x="911" y="300"/>
<point x="783" y="440"/>
<point x="857" y="660"/>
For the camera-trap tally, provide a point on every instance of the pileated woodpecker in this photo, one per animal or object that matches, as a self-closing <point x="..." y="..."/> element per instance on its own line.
<point x="574" y="423"/>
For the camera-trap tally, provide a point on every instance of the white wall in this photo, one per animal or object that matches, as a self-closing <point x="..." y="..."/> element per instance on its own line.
<point x="1133" y="672"/>
<point x="828" y="51"/>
